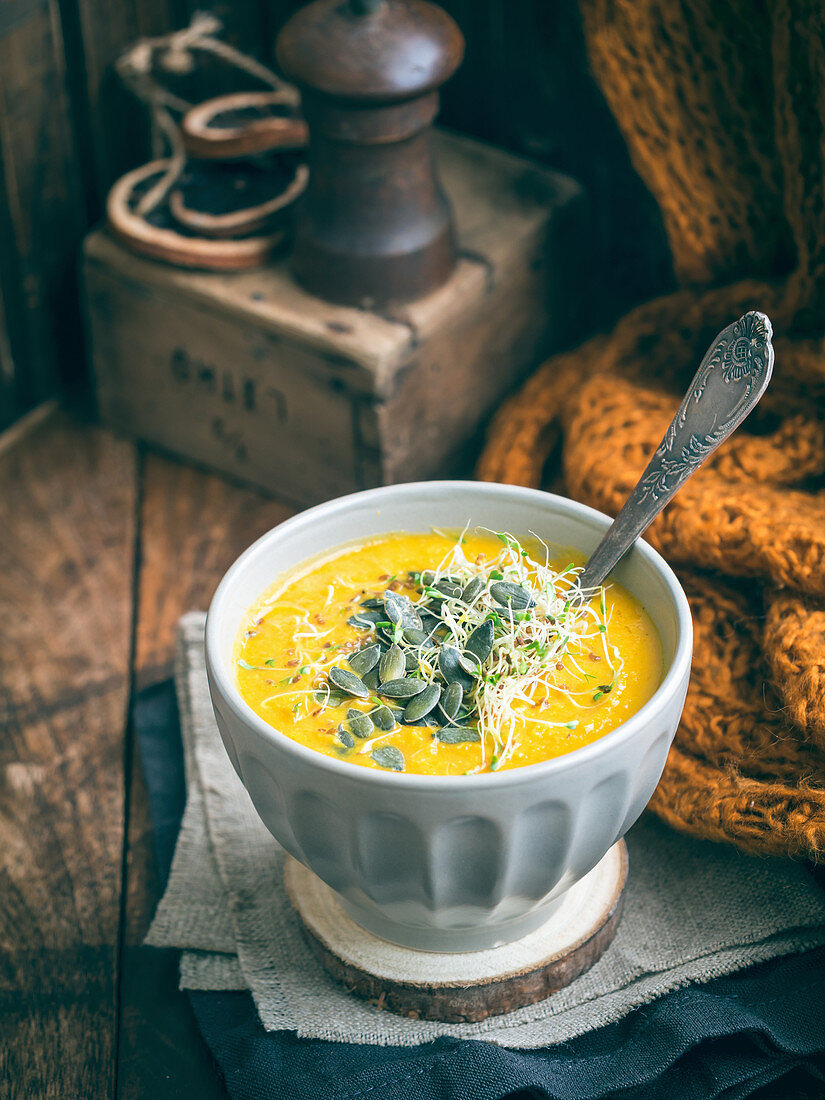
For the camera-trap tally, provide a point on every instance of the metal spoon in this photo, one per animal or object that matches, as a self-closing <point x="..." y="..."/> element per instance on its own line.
<point x="732" y="377"/>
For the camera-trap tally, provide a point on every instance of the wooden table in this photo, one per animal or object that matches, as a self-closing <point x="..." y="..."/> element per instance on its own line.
<point x="102" y="547"/>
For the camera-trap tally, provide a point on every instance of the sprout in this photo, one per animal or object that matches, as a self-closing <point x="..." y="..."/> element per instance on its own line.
<point x="528" y="643"/>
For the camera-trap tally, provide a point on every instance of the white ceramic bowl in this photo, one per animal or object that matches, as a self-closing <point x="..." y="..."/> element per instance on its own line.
<point x="437" y="862"/>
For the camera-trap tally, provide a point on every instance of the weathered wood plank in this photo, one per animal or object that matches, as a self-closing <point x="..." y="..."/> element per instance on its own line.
<point x="193" y="525"/>
<point x="114" y="126"/>
<point x="197" y="383"/>
<point x="251" y="375"/>
<point x="67" y="512"/>
<point x="246" y="25"/>
<point x="43" y="200"/>
<point x="14" y="385"/>
<point x="525" y="85"/>
<point x="10" y="403"/>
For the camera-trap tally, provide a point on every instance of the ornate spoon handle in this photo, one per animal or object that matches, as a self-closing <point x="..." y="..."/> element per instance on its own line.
<point x="732" y="377"/>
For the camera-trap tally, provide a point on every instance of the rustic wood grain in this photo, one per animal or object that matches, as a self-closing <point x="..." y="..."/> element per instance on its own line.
<point x="11" y="404"/>
<point x="468" y="1004"/>
<point x="43" y="201"/>
<point x="114" y="128"/>
<point x="114" y="125"/>
<point x="192" y="525"/>
<point x="524" y="84"/>
<point x="465" y="987"/>
<point x="67" y="515"/>
<point x="15" y="382"/>
<point x="68" y="505"/>
<point x="253" y="376"/>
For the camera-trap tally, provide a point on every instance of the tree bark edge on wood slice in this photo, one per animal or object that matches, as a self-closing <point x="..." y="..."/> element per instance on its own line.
<point x="454" y="1001"/>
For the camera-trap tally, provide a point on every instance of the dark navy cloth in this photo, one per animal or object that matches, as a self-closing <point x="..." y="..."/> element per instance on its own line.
<point x="726" y="1038"/>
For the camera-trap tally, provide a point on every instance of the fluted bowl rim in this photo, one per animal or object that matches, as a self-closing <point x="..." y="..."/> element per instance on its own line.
<point x="222" y="679"/>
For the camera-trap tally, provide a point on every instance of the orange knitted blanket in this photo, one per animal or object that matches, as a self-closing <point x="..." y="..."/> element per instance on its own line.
<point x="724" y="117"/>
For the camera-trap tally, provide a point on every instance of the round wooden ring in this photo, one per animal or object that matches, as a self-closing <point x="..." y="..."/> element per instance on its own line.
<point x="474" y="985"/>
<point x="239" y="221"/>
<point x="211" y="142"/>
<point x="173" y="247"/>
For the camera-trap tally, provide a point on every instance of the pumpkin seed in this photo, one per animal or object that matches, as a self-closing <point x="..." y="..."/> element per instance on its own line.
<point x="449" y="589"/>
<point x="470" y="663"/>
<point x="450" y="702"/>
<point x="449" y="661"/>
<point x="372" y="604"/>
<point x="365" y="620"/>
<point x="345" y="737"/>
<point x="457" y="735"/>
<point x="400" y="610"/>
<point x="388" y="756"/>
<point x="512" y="595"/>
<point x="359" y="724"/>
<point x="403" y="688"/>
<point x="480" y="641"/>
<point x="422" y="703"/>
<point x="473" y="589"/>
<point x="331" y="699"/>
<point x="414" y="636"/>
<point x="427" y="578"/>
<point x="383" y="718"/>
<point x="371" y="679"/>
<point x="392" y="665"/>
<point x="348" y="682"/>
<point x="364" y="659"/>
<point x="411" y="660"/>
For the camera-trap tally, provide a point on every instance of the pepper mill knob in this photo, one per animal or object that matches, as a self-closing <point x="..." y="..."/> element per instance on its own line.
<point x="375" y="226"/>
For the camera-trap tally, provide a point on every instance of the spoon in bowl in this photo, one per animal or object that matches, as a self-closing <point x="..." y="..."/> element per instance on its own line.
<point x="728" y="385"/>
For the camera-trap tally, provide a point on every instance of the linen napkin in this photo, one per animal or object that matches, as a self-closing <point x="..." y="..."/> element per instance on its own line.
<point x="723" y="1038"/>
<point x="693" y="911"/>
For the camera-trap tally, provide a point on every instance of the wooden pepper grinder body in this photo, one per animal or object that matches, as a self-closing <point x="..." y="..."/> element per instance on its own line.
<point x="375" y="227"/>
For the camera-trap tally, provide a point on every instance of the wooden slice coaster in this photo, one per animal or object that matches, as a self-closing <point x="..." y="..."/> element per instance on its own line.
<point x="152" y="236"/>
<point x="469" y="986"/>
<point x="244" y="123"/>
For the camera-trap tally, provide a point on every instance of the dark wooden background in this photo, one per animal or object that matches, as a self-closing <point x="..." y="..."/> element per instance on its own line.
<point x="68" y="130"/>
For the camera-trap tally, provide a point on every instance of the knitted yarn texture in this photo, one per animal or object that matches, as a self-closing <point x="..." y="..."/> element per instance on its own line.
<point x="723" y="112"/>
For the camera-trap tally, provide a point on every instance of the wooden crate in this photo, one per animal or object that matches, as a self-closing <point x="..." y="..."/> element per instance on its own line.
<point x="252" y="376"/>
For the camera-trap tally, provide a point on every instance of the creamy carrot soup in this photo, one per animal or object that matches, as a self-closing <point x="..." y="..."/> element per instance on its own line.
<point x="439" y="654"/>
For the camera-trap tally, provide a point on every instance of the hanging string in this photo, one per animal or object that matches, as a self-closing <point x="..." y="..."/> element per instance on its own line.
<point x="176" y="52"/>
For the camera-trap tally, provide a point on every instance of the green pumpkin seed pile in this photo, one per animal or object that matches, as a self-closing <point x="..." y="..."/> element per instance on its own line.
<point x="471" y="639"/>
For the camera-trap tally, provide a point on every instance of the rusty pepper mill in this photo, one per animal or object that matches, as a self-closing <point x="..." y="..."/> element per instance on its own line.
<point x="375" y="226"/>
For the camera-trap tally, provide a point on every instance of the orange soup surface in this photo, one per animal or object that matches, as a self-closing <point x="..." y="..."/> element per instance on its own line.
<point x="443" y="655"/>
